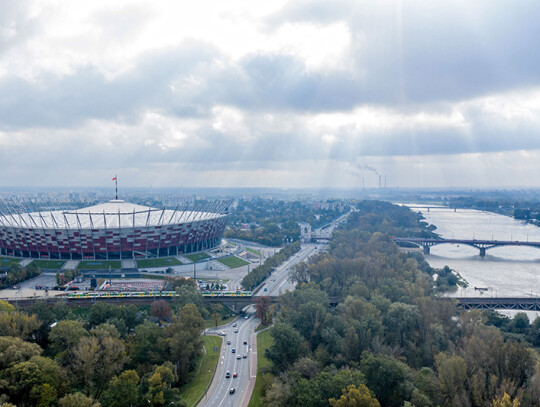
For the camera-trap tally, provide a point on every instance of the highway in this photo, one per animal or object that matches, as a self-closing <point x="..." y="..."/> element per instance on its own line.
<point x="218" y="394"/>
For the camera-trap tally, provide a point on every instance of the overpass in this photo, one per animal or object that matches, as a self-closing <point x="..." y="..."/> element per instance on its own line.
<point x="481" y="245"/>
<point x="236" y="303"/>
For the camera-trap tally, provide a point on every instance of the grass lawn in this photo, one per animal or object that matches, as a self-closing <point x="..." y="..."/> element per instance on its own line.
<point x="165" y="262"/>
<point x="264" y="341"/>
<point x="49" y="264"/>
<point x="195" y="257"/>
<point x="209" y="323"/>
<point x="6" y="261"/>
<point x="233" y="262"/>
<point x="194" y="391"/>
<point x="99" y="265"/>
<point x="255" y="252"/>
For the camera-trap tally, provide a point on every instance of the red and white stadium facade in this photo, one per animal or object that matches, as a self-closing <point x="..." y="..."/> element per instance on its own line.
<point x="112" y="230"/>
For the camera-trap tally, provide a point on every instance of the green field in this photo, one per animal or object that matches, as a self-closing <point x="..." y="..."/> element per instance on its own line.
<point x="194" y="390"/>
<point x="49" y="264"/>
<point x="233" y="262"/>
<point x="255" y="252"/>
<point x="195" y="257"/>
<point x="264" y="341"/>
<point x="164" y="262"/>
<point x="99" y="265"/>
<point x="6" y="261"/>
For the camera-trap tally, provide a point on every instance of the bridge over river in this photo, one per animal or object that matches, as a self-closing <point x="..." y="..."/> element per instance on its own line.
<point x="481" y="245"/>
<point x="493" y="303"/>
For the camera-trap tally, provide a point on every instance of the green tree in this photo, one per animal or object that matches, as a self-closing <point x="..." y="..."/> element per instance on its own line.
<point x="355" y="397"/>
<point x="25" y="381"/>
<point x="63" y="339"/>
<point x="388" y="378"/>
<point x="18" y="324"/>
<point x="14" y="350"/>
<point x="452" y="373"/>
<point x="183" y="337"/>
<point x="77" y="400"/>
<point x="287" y="346"/>
<point x="159" y="385"/>
<point x="96" y="361"/>
<point x="123" y="390"/>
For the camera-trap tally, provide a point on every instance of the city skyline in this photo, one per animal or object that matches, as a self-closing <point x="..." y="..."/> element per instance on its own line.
<point x="252" y="94"/>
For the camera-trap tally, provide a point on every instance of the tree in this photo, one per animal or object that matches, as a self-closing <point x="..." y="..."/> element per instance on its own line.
<point x="148" y="345"/>
<point x="287" y="346"/>
<point x="123" y="390"/>
<point x="26" y="382"/>
<point x="389" y="379"/>
<point x="14" y="350"/>
<point x="183" y="337"/>
<point x="18" y="324"/>
<point x="161" y="310"/>
<point x="96" y="361"/>
<point x="63" y="339"/>
<point x="77" y="400"/>
<point x="216" y="312"/>
<point x="505" y="401"/>
<point x="355" y="397"/>
<point x="262" y="306"/>
<point x="159" y="384"/>
<point x="452" y="372"/>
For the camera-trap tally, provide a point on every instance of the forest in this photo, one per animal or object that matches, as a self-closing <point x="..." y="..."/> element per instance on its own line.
<point x="104" y="355"/>
<point x="391" y="341"/>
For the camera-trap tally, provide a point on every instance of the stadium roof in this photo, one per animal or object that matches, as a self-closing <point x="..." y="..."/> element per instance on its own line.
<point x="110" y="215"/>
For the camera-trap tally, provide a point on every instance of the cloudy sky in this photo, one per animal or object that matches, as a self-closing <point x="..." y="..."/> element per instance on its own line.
<point x="270" y="93"/>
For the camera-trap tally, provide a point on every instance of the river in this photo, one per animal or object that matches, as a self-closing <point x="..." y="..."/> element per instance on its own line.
<point x="505" y="271"/>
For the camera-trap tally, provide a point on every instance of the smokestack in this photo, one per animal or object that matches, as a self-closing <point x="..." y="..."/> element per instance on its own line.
<point x="385" y="182"/>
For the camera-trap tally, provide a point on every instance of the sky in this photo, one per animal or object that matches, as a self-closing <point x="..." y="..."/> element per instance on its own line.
<point x="276" y="93"/>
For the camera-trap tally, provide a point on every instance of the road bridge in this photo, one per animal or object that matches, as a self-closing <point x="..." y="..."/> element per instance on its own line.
<point x="481" y="245"/>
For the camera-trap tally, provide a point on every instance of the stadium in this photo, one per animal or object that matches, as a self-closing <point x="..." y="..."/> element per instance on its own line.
<point x="111" y="230"/>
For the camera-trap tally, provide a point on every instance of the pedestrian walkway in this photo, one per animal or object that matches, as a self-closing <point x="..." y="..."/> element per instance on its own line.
<point x="26" y="262"/>
<point x="71" y="265"/>
<point x="129" y="264"/>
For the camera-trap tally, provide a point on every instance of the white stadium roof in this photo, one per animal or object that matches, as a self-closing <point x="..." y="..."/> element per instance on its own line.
<point x="110" y="215"/>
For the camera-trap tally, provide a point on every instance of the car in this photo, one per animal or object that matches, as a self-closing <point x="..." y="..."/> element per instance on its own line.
<point x="228" y="342"/>
<point x="246" y="317"/>
<point x="232" y="390"/>
<point x="233" y="350"/>
<point x="234" y="325"/>
<point x="244" y="356"/>
<point x="227" y="375"/>
<point x="235" y="375"/>
<point x="236" y="331"/>
<point x="238" y="357"/>
<point x="245" y="342"/>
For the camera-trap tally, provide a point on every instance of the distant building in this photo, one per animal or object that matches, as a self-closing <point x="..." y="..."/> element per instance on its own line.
<point x="305" y="232"/>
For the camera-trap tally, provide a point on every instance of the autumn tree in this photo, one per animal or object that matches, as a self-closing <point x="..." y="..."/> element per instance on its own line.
<point x="355" y="397"/>
<point x="161" y="310"/>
